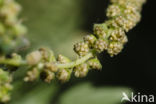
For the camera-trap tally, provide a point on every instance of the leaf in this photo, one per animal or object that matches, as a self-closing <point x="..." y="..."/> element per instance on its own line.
<point x="41" y="94"/>
<point x="53" y="23"/>
<point x="85" y="93"/>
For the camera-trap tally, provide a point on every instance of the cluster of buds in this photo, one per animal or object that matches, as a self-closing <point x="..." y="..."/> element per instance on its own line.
<point x="11" y="28"/>
<point x="81" y="48"/>
<point x="64" y="74"/>
<point x="42" y="64"/>
<point x="5" y="86"/>
<point x="81" y="70"/>
<point x="110" y="36"/>
<point x="124" y="14"/>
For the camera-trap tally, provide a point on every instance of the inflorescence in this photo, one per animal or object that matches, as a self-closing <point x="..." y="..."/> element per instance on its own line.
<point x="109" y="36"/>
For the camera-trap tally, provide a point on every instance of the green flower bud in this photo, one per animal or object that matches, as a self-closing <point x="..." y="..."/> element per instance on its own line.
<point x="63" y="59"/>
<point x="32" y="75"/>
<point x="90" y="40"/>
<point x="118" y="35"/>
<point x="47" y="54"/>
<point x="134" y="17"/>
<point x="4" y="76"/>
<point x="81" y="70"/>
<point x="51" y="66"/>
<point x="114" y="48"/>
<point x="64" y="75"/>
<point x="100" y="45"/>
<point x="5" y="86"/>
<point x="81" y="48"/>
<point x="113" y="10"/>
<point x="94" y="64"/>
<point x="34" y="58"/>
<point x="47" y="75"/>
<point x="100" y="30"/>
<point x="122" y="22"/>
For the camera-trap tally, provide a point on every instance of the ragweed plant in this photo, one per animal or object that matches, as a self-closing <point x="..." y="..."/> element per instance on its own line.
<point x="109" y="36"/>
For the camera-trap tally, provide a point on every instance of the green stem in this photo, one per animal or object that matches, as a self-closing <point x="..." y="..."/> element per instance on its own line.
<point x="72" y="64"/>
<point x="12" y="62"/>
<point x="76" y="62"/>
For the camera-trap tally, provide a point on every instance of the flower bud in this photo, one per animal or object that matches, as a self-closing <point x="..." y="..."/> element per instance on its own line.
<point x="62" y="59"/>
<point x="5" y="86"/>
<point x="47" y="54"/>
<point x="34" y="58"/>
<point x="100" y="45"/>
<point x="64" y="75"/>
<point x="47" y="75"/>
<point x="32" y="75"/>
<point x="113" y="10"/>
<point x="114" y="48"/>
<point x="51" y="66"/>
<point x="81" y="70"/>
<point x="81" y="48"/>
<point x="100" y="30"/>
<point x="118" y="35"/>
<point x="90" y="40"/>
<point x="94" y="64"/>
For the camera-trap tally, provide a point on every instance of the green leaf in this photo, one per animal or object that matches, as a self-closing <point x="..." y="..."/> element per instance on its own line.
<point x="85" y="93"/>
<point x="40" y="94"/>
<point x="53" y="23"/>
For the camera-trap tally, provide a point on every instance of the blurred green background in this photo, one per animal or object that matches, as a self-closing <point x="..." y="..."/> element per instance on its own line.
<point x="58" y="24"/>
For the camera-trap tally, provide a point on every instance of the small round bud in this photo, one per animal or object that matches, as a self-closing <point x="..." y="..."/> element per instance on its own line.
<point x="34" y="58"/>
<point x="100" y="45"/>
<point x="120" y="21"/>
<point x="94" y="64"/>
<point x="130" y="8"/>
<point x="100" y="30"/>
<point x="114" y="48"/>
<point x="81" y="48"/>
<point x="113" y="10"/>
<point x="64" y="75"/>
<point x="134" y="17"/>
<point x="47" y="54"/>
<point x="81" y="70"/>
<point x="124" y="40"/>
<point x="51" y="66"/>
<point x="90" y="40"/>
<point x="118" y="35"/>
<point x="47" y="75"/>
<point x="5" y="98"/>
<point x="32" y="75"/>
<point x="4" y="76"/>
<point x="5" y="86"/>
<point x="62" y="59"/>
<point x="9" y="11"/>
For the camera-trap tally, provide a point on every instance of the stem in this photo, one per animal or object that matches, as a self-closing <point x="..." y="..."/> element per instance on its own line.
<point x="76" y="62"/>
<point x="12" y="62"/>
<point x="72" y="64"/>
